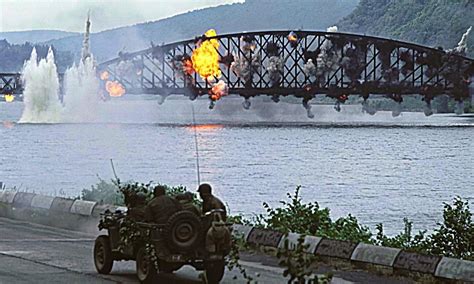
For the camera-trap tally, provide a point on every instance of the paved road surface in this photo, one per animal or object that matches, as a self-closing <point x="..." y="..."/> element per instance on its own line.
<point x="31" y="253"/>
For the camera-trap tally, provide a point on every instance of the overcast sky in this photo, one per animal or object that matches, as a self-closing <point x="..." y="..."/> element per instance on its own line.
<point x="69" y="15"/>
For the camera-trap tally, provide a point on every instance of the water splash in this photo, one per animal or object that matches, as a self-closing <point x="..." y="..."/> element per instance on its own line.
<point x="81" y="89"/>
<point x="41" y="83"/>
<point x="81" y="86"/>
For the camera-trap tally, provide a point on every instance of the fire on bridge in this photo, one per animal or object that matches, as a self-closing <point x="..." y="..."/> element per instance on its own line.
<point x="303" y="64"/>
<point x="299" y="63"/>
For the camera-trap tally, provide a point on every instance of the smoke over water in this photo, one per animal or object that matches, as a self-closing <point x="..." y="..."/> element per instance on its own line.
<point x="41" y="90"/>
<point x="81" y="92"/>
<point x="81" y="89"/>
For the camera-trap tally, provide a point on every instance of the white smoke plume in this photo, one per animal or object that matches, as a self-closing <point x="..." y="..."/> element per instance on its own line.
<point x="309" y="68"/>
<point x="41" y="102"/>
<point x="462" y="45"/>
<point x="81" y="92"/>
<point x="245" y="66"/>
<point x="307" y="106"/>
<point x="81" y="86"/>
<point x="274" y="67"/>
<point x="85" y="52"/>
<point x="327" y="59"/>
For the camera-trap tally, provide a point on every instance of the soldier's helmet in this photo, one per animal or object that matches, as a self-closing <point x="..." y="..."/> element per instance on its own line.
<point x="205" y="188"/>
<point x="141" y="198"/>
<point x="159" y="190"/>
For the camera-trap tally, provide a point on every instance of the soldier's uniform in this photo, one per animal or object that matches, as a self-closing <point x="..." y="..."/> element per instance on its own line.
<point x="136" y="210"/>
<point x="209" y="201"/>
<point x="186" y="202"/>
<point x="160" y="208"/>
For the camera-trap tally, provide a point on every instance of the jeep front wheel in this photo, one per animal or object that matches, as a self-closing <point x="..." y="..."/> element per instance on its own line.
<point x="103" y="259"/>
<point x="146" y="271"/>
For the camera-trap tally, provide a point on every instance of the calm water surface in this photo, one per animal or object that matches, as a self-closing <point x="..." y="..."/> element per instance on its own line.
<point x="380" y="169"/>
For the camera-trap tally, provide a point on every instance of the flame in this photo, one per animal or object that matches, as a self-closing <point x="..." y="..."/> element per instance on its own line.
<point x="204" y="127"/>
<point x="205" y="57"/>
<point x="114" y="88"/>
<point x="8" y="124"/>
<point x="292" y="37"/>
<point x="219" y="90"/>
<point x="9" y="98"/>
<point x="104" y="76"/>
<point x="188" y="66"/>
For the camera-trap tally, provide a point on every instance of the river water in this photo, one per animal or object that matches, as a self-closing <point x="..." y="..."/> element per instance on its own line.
<point x="378" y="168"/>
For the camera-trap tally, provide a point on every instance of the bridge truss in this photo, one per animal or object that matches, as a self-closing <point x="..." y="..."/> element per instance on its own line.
<point x="302" y="63"/>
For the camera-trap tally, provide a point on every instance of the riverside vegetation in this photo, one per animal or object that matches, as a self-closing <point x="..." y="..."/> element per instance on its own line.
<point x="453" y="237"/>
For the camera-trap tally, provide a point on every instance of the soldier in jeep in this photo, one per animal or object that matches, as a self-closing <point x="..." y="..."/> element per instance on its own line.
<point x="161" y="207"/>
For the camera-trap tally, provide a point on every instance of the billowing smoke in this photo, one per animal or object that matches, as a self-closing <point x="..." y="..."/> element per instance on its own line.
<point x="81" y="91"/>
<point x="217" y="91"/>
<point x="245" y="66"/>
<point x="81" y="86"/>
<point x="274" y="67"/>
<point x="462" y="45"/>
<point x="307" y="106"/>
<point x="309" y="68"/>
<point x="328" y="58"/>
<point x="85" y="52"/>
<point x="367" y="108"/>
<point x="41" y="102"/>
<point x="397" y="110"/>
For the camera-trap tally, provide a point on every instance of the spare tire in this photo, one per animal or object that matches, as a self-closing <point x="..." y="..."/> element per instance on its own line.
<point x="183" y="231"/>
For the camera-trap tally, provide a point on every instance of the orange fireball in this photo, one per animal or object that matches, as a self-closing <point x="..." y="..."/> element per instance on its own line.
<point x="114" y="88"/>
<point x="104" y="76"/>
<point x="219" y="90"/>
<point x="9" y="98"/>
<point x="205" y="57"/>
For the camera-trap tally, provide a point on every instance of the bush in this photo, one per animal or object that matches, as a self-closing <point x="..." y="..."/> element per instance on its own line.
<point x="309" y="219"/>
<point x="103" y="192"/>
<point x="455" y="236"/>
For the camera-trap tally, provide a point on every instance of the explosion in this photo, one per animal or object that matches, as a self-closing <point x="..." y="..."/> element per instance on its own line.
<point x="114" y="88"/>
<point x="219" y="90"/>
<point x="293" y="39"/>
<point x="205" y="57"/>
<point x="104" y="76"/>
<point x="9" y="98"/>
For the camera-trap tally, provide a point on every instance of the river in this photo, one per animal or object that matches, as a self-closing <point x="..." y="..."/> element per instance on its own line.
<point x="378" y="168"/>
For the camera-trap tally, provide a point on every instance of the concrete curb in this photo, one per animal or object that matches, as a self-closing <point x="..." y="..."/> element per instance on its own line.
<point x="83" y="215"/>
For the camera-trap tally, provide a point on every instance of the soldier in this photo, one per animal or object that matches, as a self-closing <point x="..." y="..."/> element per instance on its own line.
<point x="161" y="207"/>
<point x="137" y="208"/>
<point x="186" y="202"/>
<point x="210" y="201"/>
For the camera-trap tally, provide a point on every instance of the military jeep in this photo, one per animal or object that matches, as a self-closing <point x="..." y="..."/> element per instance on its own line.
<point x="185" y="239"/>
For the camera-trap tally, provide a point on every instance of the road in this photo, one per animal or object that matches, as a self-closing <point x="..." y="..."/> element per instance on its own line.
<point x="35" y="253"/>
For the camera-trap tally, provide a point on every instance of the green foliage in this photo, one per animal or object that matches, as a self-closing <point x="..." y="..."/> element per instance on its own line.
<point x="455" y="236"/>
<point x="308" y="218"/>
<point x="403" y="240"/>
<point x="123" y="194"/>
<point x="14" y="56"/>
<point x="297" y="263"/>
<point x="234" y="256"/>
<point x="103" y="192"/>
<point x="427" y="22"/>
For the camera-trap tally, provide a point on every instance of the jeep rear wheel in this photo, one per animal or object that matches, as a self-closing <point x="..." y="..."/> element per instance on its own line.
<point x="214" y="271"/>
<point x="183" y="231"/>
<point x="146" y="271"/>
<point x="103" y="259"/>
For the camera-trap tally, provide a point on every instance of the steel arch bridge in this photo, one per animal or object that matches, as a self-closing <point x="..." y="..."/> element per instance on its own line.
<point x="300" y="63"/>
